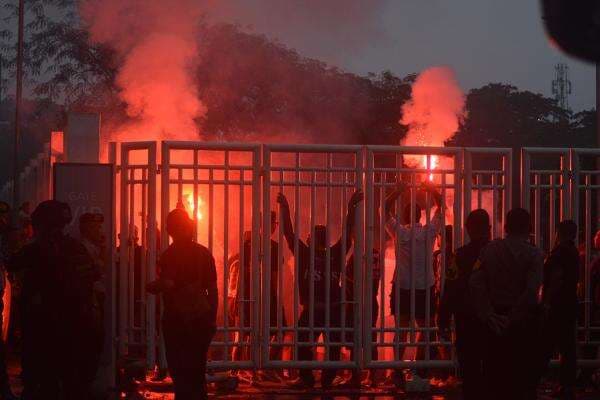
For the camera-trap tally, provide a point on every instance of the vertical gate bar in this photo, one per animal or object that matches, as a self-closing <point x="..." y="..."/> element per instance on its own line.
<point x="226" y="241"/>
<point x="311" y="317"/>
<point x="124" y="254"/>
<point x="525" y="180"/>
<point x="279" y="272"/>
<point x="143" y="256"/>
<point x="537" y="192"/>
<point x="195" y="195"/>
<point x="381" y="246"/>
<point x="478" y="185"/>
<point x="494" y="206"/>
<point x="266" y="253"/>
<point x="327" y="327"/>
<point x="565" y="195"/>
<point x="241" y="260"/>
<point x="413" y="254"/>
<point x="458" y="161"/>
<point x="552" y="208"/>
<point x="588" y="240"/>
<point x="468" y="185"/>
<point x="165" y="189"/>
<point x="507" y="180"/>
<point x="359" y="228"/>
<point x="370" y="210"/>
<point x="255" y="242"/>
<point x="211" y="209"/>
<point x="444" y="244"/>
<point x="428" y="265"/>
<point x="342" y="260"/>
<point x="131" y="256"/>
<point x="296" y="251"/>
<point x="111" y="303"/>
<point x="151" y="305"/>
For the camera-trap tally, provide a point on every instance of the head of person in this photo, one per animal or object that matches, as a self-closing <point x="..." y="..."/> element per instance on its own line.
<point x="50" y="218"/>
<point x="518" y="223"/>
<point x="273" y="222"/>
<point x="407" y="212"/>
<point x="566" y="231"/>
<point x="90" y="227"/>
<point x="320" y="238"/>
<point x="26" y="207"/>
<point x="596" y="239"/>
<point x="478" y="225"/>
<point x="179" y="225"/>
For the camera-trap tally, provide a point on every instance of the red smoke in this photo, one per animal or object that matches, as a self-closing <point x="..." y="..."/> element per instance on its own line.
<point x="434" y="111"/>
<point x="156" y="42"/>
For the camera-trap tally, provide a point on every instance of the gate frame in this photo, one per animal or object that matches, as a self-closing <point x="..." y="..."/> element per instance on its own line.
<point x="166" y="181"/>
<point x="268" y="150"/>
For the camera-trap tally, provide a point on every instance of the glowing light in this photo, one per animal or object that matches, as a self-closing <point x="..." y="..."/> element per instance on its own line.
<point x="189" y="205"/>
<point x="433" y="161"/>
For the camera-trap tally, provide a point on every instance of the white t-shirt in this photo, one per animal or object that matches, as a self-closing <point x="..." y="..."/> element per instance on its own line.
<point x="423" y="273"/>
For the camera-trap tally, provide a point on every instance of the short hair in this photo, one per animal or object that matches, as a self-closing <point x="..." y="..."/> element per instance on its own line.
<point x="518" y="221"/>
<point x="567" y="229"/>
<point x="179" y="222"/>
<point x="406" y="214"/>
<point x="477" y="223"/>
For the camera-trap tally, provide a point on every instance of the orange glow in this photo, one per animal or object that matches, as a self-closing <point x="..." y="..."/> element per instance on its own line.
<point x="189" y="205"/>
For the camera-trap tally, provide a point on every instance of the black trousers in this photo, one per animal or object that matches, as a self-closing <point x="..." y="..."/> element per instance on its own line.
<point x="306" y="353"/>
<point x="186" y="347"/>
<point x="511" y="362"/>
<point x="469" y="351"/>
<point x="562" y="336"/>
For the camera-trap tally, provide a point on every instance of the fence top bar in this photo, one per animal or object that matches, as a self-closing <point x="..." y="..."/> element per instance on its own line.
<point x="589" y="152"/>
<point x="414" y="149"/>
<point x="488" y="150"/>
<point x="546" y="150"/>
<point x="314" y="148"/>
<point x="136" y="145"/>
<point x="200" y="145"/>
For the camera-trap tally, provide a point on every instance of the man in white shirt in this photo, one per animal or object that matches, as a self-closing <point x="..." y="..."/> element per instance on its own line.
<point x="414" y="244"/>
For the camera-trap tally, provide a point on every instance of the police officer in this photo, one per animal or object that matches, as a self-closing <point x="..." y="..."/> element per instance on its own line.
<point x="188" y="283"/>
<point x="5" y="227"/>
<point x="455" y="302"/>
<point x="560" y="304"/>
<point x="504" y="286"/>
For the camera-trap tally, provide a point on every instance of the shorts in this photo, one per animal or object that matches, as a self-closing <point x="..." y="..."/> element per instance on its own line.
<point x="420" y="302"/>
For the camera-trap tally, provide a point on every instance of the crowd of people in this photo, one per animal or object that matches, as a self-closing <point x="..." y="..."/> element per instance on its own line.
<point x="512" y="307"/>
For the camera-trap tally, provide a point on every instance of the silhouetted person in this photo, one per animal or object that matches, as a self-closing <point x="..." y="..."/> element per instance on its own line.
<point x="5" y="247"/>
<point x="188" y="283"/>
<point x="560" y="304"/>
<point x="504" y="286"/>
<point x="320" y="283"/>
<point x="420" y="270"/>
<point x="456" y="302"/>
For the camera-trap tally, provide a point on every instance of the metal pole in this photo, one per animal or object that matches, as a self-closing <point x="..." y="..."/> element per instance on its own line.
<point x="18" y="96"/>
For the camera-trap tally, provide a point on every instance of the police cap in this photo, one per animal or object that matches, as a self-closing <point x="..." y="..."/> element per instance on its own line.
<point x="87" y="218"/>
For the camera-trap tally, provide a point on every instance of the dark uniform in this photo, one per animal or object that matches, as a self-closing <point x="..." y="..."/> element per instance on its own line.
<point x="469" y="330"/>
<point x="62" y="327"/>
<point x="188" y="326"/>
<point x="321" y="283"/>
<point x="506" y="282"/>
<point x="561" y="271"/>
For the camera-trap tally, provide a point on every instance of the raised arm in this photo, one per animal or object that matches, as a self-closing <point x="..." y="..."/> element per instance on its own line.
<point x="286" y="220"/>
<point x="392" y="197"/>
<point x="353" y="203"/>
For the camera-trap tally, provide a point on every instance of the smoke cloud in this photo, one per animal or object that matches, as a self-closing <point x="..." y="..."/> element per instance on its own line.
<point x="157" y="45"/>
<point x="435" y="110"/>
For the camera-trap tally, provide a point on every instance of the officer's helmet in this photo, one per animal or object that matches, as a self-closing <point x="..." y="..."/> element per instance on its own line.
<point x="51" y="215"/>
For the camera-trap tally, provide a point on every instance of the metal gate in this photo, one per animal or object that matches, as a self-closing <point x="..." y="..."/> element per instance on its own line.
<point x="564" y="184"/>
